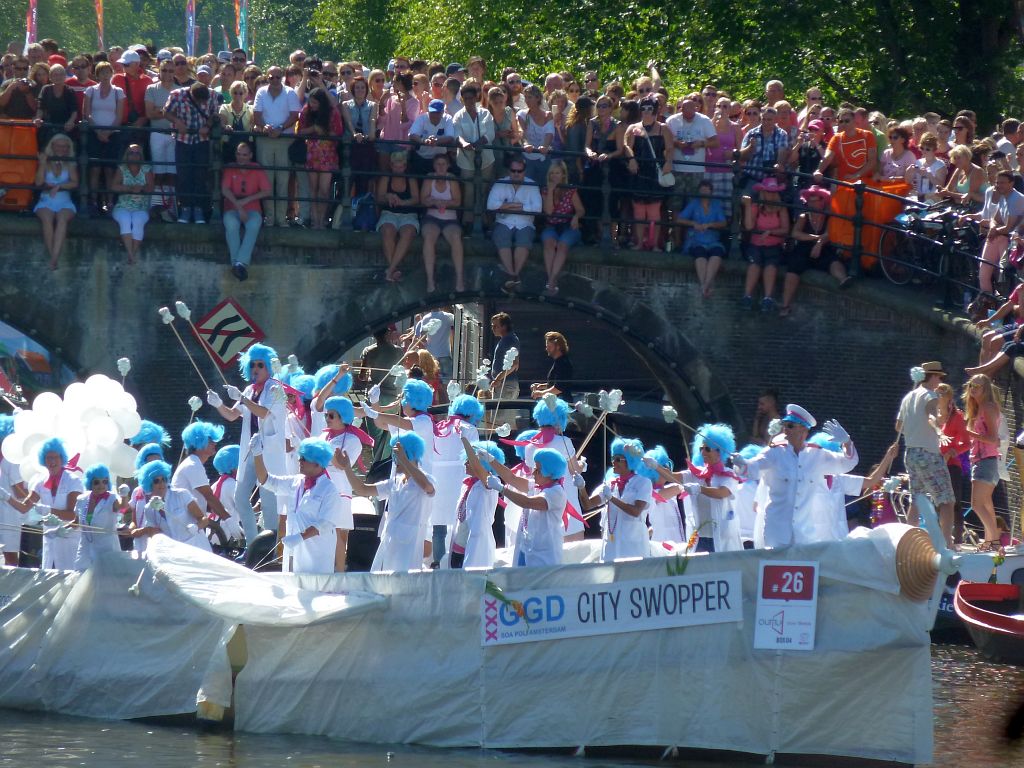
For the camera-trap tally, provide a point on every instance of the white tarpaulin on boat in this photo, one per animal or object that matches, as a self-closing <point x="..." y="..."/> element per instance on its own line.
<point x="416" y="670"/>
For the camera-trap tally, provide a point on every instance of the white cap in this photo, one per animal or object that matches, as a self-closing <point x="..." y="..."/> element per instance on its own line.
<point x="204" y="70"/>
<point x="797" y="415"/>
<point x="129" y="57"/>
<point x="164" y="55"/>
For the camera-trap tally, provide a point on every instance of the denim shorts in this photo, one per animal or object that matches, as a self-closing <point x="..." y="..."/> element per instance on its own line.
<point x="568" y="236"/>
<point x="986" y="470"/>
<point x="764" y="255"/>
<point x="504" y="237"/>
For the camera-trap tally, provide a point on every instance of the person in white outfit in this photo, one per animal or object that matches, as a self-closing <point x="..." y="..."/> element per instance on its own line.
<point x="348" y="439"/>
<point x="408" y="493"/>
<point x="512" y="510"/>
<point x="98" y="513"/>
<point x="262" y="409"/>
<point x="200" y="441"/>
<point x="170" y="511"/>
<point x="711" y="490"/>
<point x="666" y="521"/>
<point x="473" y="539"/>
<point x="11" y="485"/>
<point x="329" y="381"/>
<point x="315" y="509"/>
<point x="54" y="493"/>
<point x="225" y="461"/>
<point x="794" y="472"/>
<point x="464" y="414"/>
<point x="626" y="495"/>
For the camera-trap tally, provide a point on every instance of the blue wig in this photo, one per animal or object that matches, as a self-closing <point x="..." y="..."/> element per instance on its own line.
<point x="660" y="455"/>
<point x="6" y="425"/>
<point x="417" y="395"/>
<point x="196" y="436"/>
<point x="323" y="378"/>
<point x="716" y="436"/>
<point x="526" y="434"/>
<point x="545" y="417"/>
<point x="151" y="432"/>
<point x="303" y="382"/>
<point x="53" y="445"/>
<point x="634" y="458"/>
<point x="468" y="407"/>
<point x="750" y="450"/>
<point x="147" y="453"/>
<point x="255" y="352"/>
<point x="151" y="472"/>
<point x="551" y="463"/>
<point x="492" y="448"/>
<point x="316" y="450"/>
<point x="100" y="471"/>
<point x="342" y="406"/>
<point x="824" y="440"/>
<point x="225" y="460"/>
<point x="412" y="444"/>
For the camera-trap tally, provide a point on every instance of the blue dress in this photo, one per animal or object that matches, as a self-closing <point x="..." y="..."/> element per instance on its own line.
<point x="62" y="200"/>
<point x="709" y="239"/>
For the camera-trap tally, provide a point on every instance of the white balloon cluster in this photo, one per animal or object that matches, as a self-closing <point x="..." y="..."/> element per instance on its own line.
<point x="93" y="419"/>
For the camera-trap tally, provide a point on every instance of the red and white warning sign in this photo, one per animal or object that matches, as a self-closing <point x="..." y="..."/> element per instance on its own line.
<point x="227" y="331"/>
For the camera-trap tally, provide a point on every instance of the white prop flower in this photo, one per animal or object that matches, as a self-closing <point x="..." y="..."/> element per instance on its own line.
<point x="453" y="389"/>
<point x="124" y="365"/>
<point x="165" y="315"/>
<point x="504" y="430"/>
<point x="774" y="427"/>
<point x="183" y="311"/>
<point x="917" y="374"/>
<point x="195" y="403"/>
<point x="669" y="414"/>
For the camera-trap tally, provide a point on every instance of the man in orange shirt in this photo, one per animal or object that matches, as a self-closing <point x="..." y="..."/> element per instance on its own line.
<point x="852" y="153"/>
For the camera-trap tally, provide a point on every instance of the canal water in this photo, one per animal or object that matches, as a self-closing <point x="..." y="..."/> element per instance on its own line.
<point x="973" y="699"/>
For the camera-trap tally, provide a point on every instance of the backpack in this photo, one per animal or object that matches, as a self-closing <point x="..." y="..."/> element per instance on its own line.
<point x="364" y="213"/>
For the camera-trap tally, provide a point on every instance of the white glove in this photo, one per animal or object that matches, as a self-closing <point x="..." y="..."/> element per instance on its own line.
<point x="292" y="540"/>
<point x="370" y="413"/>
<point x="213" y="399"/>
<point x="374" y="394"/>
<point x="494" y="483"/>
<point x="256" y="445"/>
<point x="483" y="456"/>
<point x="233" y="392"/>
<point x="835" y="429"/>
<point x="606" y="493"/>
<point x="155" y="504"/>
<point x="650" y="463"/>
<point x="692" y="489"/>
<point x="738" y="463"/>
<point x="124" y="491"/>
<point x="578" y="481"/>
<point x="582" y="462"/>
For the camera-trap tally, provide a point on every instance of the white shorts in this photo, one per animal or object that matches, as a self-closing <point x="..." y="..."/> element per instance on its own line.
<point x="161" y="148"/>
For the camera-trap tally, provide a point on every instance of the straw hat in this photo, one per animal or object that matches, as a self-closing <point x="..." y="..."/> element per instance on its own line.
<point x="915" y="565"/>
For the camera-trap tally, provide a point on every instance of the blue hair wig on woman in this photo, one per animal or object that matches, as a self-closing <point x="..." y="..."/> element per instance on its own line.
<point x="341" y="406"/>
<point x="492" y="448"/>
<point x="303" y="382"/>
<point x="660" y="455"/>
<point x="6" y="425"/>
<point x="523" y="436"/>
<point x="551" y="463"/>
<point x="824" y="440"/>
<point x="716" y="436"/>
<point x="151" y="472"/>
<point x="151" y="432"/>
<point x="417" y="395"/>
<point x="468" y="407"/>
<point x="147" y="453"/>
<point x="53" y="445"/>
<point x="545" y="417"/>
<point x="316" y="450"/>
<point x="412" y="444"/>
<point x="225" y="460"/>
<point x="198" y="435"/>
<point x="256" y="352"/>
<point x="323" y="378"/>
<point x="750" y="450"/>
<point x="100" y="471"/>
<point x="634" y="457"/>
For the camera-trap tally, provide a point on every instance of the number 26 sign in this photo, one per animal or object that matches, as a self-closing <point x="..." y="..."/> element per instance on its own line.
<point x="787" y="605"/>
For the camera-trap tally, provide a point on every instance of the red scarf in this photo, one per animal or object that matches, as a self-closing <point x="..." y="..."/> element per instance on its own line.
<point x="657" y="496"/>
<point x="219" y="485"/>
<point x="96" y="498"/>
<point x="619" y="483"/>
<point x="348" y="429"/>
<point x="542" y="438"/>
<point x="53" y="481"/>
<point x="309" y="482"/>
<point x="569" y="508"/>
<point x="467" y="486"/>
<point x="445" y="427"/>
<point x="709" y="471"/>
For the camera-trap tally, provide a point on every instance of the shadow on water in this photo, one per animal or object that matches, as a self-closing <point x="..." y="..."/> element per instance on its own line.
<point x="973" y="699"/>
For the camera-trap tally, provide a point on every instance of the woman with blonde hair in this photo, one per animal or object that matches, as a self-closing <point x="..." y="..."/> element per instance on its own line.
<point x="431" y="372"/>
<point x="981" y="410"/>
<point x="967" y="184"/>
<point x="56" y="177"/>
<point x="564" y="210"/>
<point x="954" y="450"/>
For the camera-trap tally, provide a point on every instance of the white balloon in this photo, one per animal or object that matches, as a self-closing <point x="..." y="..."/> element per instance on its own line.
<point x="128" y="421"/>
<point x="14" y="447"/>
<point x="92" y="454"/>
<point x="73" y="435"/>
<point x="98" y="381"/>
<point x="47" y="404"/>
<point x="103" y="431"/>
<point x="27" y="421"/>
<point x="122" y="460"/>
<point x="75" y="394"/>
<point x="90" y="414"/>
<point x="31" y="445"/>
<point x="125" y="402"/>
<point x="29" y="469"/>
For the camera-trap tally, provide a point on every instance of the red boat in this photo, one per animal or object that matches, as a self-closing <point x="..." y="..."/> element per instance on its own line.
<point x="994" y="617"/>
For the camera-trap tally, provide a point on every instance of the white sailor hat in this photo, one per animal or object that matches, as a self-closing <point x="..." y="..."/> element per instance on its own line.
<point x="797" y="415"/>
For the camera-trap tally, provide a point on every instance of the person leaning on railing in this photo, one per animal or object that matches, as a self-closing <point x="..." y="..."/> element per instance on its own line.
<point x="161" y="141"/>
<point x="474" y="130"/>
<point x="58" y="107"/>
<point x="104" y="111"/>
<point x="191" y="112"/>
<point x="236" y="118"/>
<point x="276" y="110"/>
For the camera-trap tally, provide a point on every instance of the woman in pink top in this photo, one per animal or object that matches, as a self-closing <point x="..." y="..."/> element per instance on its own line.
<point x="981" y="410"/>
<point x="243" y="186"/>
<point x="719" y="159"/>
<point x="397" y="111"/>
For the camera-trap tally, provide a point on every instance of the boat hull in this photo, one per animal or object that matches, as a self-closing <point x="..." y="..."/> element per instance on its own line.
<point x="993" y="618"/>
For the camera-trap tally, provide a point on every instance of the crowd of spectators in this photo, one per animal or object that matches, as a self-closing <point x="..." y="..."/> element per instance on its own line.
<point x="427" y="147"/>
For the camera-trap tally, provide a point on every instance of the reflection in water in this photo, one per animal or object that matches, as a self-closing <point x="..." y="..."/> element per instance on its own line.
<point x="972" y="700"/>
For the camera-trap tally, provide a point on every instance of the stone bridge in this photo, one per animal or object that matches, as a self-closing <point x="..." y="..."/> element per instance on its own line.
<point x="843" y="355"/>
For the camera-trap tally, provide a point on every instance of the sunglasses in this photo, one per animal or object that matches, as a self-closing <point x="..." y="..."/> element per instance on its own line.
<point x="472" y="93"/>
<point x="646" y="108"/>
<point x="517" y="170"/>
<point x="604" y="106"/>
<point x="346" y="73"/>
<point x="237" y="59"/>
<point x="331" y="415"/>
<point x="789" y="425"/>
<point x="256" y="364"/>
<point x="590" y="80"/>
<point x="330" y="74"/>
<point x="751" y="112"/>
<point x="515" y="82"/>
<point x="166" y="70"/>
<point x="895" y="136"/>
<point x="645" y="90"/>
<point x="959" y="127"/>
<point x="707" y="448"/>
<point x="181" y="63"/>
<point x="274" y="77"/>
<point x="814" y="98"/>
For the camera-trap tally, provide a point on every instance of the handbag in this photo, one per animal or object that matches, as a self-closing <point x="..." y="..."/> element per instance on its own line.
<point x="665" y="180"/>
<point x="297" y="152"/>
<point x="364" y="213"/>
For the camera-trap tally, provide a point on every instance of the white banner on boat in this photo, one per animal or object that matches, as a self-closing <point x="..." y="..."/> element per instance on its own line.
<point x="605" y="609"/>
<point x="787" y="605"/>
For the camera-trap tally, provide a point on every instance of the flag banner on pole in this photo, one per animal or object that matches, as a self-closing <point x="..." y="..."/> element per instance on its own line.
<point x="99" y="24"/>
<point x="243" y="26"/>
<point x="227" y="41"/>
<point x="238" y="18"/>
<point x="209" y="38"/>
<point x="190" y="27"/>
<point x="30" y="24"/>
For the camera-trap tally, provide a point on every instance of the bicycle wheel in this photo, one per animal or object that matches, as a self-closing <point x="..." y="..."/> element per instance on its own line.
<point x="895" y="256"/>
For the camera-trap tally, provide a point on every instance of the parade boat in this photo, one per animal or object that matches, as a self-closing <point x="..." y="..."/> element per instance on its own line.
<point x="994" y="616"/>
<point x="768" y="652"/>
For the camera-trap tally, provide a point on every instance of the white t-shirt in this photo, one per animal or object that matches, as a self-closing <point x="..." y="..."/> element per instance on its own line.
<point x="104" y="111"/>
<point x="1010" y="205"/>
<point x="928" y="176"/>
<point x="440" y="344"/>
<point x="423" y="127"/>
<point x="276" y="109"/>
<point x="624" y="534"/>
<point x="190" y="476"/>
<point x="913" y="413"/>
<point x="699" y="129"/>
